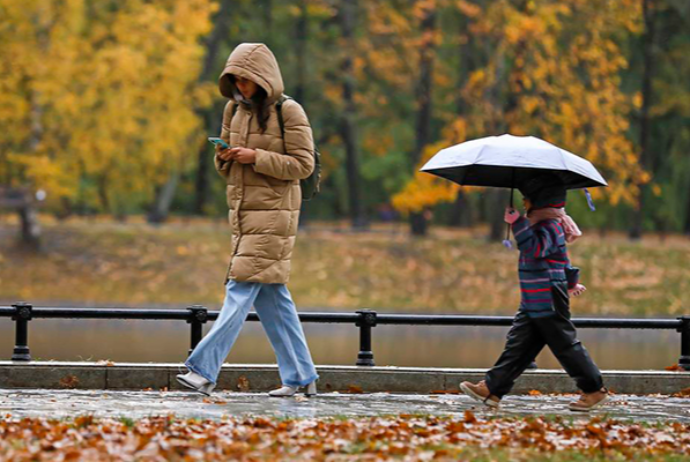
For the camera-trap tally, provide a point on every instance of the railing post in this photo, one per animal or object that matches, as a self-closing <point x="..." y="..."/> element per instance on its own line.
<point x="22" y="316"/>
<point x="367" y="320"/>
<point x="198" y="315"/>
<point x="684" y="330"/>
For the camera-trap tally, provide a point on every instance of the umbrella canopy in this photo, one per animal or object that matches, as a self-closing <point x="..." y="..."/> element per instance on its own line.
<point x="506" y="161"/>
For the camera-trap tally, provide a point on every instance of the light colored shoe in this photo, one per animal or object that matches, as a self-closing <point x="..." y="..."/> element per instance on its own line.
<point x="287" y="391"/>
<point x="196" y="383"/>
<point x="311" y="389"/>
<point x="481" y="393"/>
<point x="589" y="401"/>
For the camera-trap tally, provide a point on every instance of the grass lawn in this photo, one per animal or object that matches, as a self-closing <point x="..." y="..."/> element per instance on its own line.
<point x="453" y="271"/>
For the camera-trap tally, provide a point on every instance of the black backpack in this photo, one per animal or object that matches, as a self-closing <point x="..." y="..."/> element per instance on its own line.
<point x="311" y="185"/>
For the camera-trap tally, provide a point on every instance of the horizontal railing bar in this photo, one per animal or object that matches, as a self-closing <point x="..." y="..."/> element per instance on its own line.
<point x="474" y="320"/>
<point x="108" y="313"/>
<point x="327" y="317"/>
<point x="639" y="323"/>
<point x="340" y="317"/>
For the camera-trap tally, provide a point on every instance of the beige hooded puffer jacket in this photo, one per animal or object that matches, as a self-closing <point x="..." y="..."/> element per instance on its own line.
<point x="264" y="198"/>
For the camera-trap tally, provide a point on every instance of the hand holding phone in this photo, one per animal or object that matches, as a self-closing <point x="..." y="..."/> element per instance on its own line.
<point x="219" y="142"/>
<point x="224" y="152"/>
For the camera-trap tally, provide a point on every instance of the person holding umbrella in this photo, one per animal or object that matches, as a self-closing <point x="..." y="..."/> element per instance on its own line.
<point x="543" y="173"/>
<point x="546" y="281"/>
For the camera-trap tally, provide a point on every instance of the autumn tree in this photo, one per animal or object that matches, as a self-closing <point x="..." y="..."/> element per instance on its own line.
<point x="97" y="99"/>
<point x="555" y="73"/>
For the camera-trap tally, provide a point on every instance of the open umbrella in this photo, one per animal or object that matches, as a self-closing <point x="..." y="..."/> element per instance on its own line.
<point x="508" y="161"/>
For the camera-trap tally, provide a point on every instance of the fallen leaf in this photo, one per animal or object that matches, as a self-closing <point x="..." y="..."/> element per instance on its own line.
<point x="534" y="393"/>
<point x="354" y="389"/>
<point x="243" y="384"/>
<point x="70" y="381"/>
<point x="83" y="421"/>
<point x="682" y="393"/>
<point x="674" y="368"/>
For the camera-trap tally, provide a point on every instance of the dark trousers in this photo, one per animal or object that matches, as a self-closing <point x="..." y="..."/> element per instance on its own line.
<point x="527" y="337"/>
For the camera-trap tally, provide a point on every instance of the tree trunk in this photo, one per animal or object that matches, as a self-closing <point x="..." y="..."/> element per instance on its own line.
<point x="211" y="120"/>
<point x="164" y="198"/>
<point x="348" y="131"/>
<point x="301" y="36"/>
<point x="497" y="201"/>
<point x="423" y="87"/>
<point x="267" y="7"/>
<point x="686" y="225"/>
<point x="645" y="120"/>
<point x="30" y="228"/>
<point x="418" y="225"/>
<point x="461" y="212"/>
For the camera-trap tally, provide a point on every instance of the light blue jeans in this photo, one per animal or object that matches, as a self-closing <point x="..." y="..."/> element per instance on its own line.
<point x="278" y="314"/>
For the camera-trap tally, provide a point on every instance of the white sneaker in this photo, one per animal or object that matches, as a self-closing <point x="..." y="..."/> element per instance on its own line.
<point x="196" y="382"/>
<point x="286" y="391"/>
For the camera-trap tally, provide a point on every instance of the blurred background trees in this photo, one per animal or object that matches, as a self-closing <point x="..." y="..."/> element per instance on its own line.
<point x="106" y="105"/>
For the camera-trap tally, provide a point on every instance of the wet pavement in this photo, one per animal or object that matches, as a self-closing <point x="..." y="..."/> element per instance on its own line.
<point x="136" y="404"/>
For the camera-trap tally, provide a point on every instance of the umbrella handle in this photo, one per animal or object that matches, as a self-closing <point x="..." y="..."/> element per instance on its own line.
<point x="506" y="242"/>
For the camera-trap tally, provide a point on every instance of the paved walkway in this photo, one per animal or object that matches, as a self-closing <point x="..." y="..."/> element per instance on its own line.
<point x="136" y="404"/>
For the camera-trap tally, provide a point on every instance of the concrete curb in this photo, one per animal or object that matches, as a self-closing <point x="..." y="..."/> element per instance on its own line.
<point x="258" y="377"/>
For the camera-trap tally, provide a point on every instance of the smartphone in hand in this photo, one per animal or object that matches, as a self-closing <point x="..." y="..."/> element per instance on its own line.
<point x="219" y="141"/>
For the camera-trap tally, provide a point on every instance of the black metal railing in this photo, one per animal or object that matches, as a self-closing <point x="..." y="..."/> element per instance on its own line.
<point x="365" y="320"/>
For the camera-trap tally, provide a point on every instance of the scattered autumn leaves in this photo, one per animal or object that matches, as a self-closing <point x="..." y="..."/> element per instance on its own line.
<point x="252" y="438"/>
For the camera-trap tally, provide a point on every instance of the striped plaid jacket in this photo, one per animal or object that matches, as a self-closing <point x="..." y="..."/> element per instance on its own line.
<point x="543" y="262"/>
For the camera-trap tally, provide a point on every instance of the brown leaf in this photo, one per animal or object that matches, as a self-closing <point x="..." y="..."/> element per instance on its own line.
<point x="455" y="427"/>
<point x="682" y="393"/>
<point x="243" y="384"/>
<point x="83" y="421"/>
<point x="595" y="429"/>
<point x="354" y="389"/>
<point x="452" y="391"/>
<point x="534" y="393"/>
<point x="470" y="417"/>
<point x="674" y="368"/>
<point x="70" y="381"/>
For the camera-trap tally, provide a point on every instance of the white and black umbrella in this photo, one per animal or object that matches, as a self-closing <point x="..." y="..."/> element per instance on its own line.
<point x="508" y="161"/>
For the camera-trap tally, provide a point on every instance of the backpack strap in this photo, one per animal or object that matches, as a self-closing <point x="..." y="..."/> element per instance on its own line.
<point x="279" y="110"/>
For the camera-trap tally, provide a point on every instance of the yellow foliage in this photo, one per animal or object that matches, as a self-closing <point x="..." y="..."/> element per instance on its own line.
<point x="425" y="190"/>
<point x="100" y="99"/>
<point x="564" y="80"/>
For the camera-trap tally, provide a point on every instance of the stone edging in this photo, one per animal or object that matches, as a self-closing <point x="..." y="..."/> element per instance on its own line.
<point x="257" y="377"/>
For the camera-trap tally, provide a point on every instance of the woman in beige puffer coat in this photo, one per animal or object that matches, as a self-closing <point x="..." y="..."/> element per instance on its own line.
<point x="262" y="169"/>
